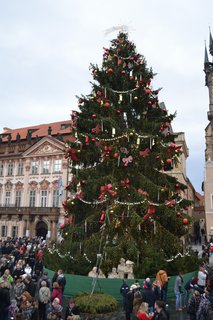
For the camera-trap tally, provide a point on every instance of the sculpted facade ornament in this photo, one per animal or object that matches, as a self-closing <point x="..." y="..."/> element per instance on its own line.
<point x="55" y="185"/>
<point x="46" y="148"/>
<point x="44" y="184"/>
<point x="8" y="185"/>
<point x="33" y="185"/>
<point x="19" y="185"/>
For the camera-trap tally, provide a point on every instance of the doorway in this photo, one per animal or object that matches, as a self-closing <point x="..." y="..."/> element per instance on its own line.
<point x="41" y="229"/>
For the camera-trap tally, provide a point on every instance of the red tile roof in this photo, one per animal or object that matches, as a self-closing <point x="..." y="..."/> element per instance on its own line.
<point x="200" y="197"/>
<point x="40" y="130"/>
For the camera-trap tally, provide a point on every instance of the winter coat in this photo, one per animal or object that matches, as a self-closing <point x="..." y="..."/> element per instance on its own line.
<point x="193" y="305"/>
<point x="19" y="288"/>
<point x="205" y="310"/>
<point x="149" y="296"/>
<point x="4" y="298"/>
<point x="71" y="311"/>
<point x="44" y="295"/>
<point x="57" y="293"/>
<point x="162" y="315"/>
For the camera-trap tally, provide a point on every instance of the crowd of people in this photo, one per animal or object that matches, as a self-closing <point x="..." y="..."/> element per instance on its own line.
<point x="26" y="292"/>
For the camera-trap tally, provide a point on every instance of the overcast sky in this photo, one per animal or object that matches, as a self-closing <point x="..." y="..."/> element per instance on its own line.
<point x="46" y="47"/>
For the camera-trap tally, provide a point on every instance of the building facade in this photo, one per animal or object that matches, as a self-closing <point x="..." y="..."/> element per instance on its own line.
<point x="208" y="178"/>
<point x="33" y="174"/>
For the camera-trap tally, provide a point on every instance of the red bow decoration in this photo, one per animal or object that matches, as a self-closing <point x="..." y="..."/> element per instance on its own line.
<point x="107" y="150"/>
<point x="150" y="212"/>
<point x="127" y="160"/>
<point x="144" y="153"/>
<point x="97" y="129"/>
<point x="106" y="189"/>
<point x="79" y="195"/>
<point x="140" y="191"/>
<point x="125" y="183"/>
<point x="173" y="146"/>
<point x="72" y="154"/>
<point x="170" y="203"/>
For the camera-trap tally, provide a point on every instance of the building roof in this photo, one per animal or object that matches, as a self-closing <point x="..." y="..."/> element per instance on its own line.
<point x="41" y="130"/>
<point x="200" y="198"/>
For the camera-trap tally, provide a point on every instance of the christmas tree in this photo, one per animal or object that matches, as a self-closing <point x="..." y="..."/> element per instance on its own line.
<point x="121" y="201"/>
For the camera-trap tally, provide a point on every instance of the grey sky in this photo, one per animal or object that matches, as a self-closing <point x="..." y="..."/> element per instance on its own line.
<point x="46" y="47"/>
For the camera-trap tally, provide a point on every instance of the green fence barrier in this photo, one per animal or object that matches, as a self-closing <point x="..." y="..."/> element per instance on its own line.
<point x="76" y="284"/>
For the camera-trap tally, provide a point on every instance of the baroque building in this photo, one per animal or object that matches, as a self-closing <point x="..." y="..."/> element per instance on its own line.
<point x="208" y="177"/>
<point x="33" y="175"/>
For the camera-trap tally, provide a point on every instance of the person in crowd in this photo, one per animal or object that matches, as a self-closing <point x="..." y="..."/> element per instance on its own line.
<point x="148" y="295"/>
<point x="56" y="292"/>
<point x="143" y="312"/>
<point x="193" y="305"/>
<point x="162" y="278"/>
<point x="187" y="289"/>
<point x="44" y="277"/>
<point x="38" y="268"/>
<point x="137" y="300"/>
<point x="178" y="289"/>
<point x="71" y="310"/>
<point x="4" y="300"/>
<point x="28" y="269"/>
<point x="30" y="286"/>
<point x="129" y="301"/>
<point x="43" y="300"/>
<point x="18" y="272"/>
<point x="205" y="310"/>
<point x="61" y="280"/>
<point x="30" y="312"/>
<point x="55" y="310"/>
<point x="160" y="311"/>
<point x="157" y="289"/>
<point x="18" y="290"/>
<point x="124" y="289"/>
<point x="13" y="310"/>
<point x="202" y="276"/>
<point x="7" y="276"/>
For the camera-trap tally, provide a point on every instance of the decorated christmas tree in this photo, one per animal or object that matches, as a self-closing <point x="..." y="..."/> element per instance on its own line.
<point x="121" y="201"/>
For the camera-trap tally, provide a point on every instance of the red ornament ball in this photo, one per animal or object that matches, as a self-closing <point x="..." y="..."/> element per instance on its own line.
<point x="94" y="115"/>
<point x="178" y="214"/>
<point x="62" y="226"/>
<point x="157" y="157"/>
<point x="148" y="91"/>
<point x="110" y="70"/>
<point x="93" y="139"/>
<point x="169" y="161"/>
<point x="123" y="72"/>
<point x="106" y="104"/>
<point x="116" y="155"/>
<point x="149" y="103"/>
<point x="185" y="221"/>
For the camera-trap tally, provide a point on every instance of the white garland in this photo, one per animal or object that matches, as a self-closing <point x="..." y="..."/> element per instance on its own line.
<point x="178" y="255"/>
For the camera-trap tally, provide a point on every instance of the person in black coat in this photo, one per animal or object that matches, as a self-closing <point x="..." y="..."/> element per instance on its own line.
<point x="160" y="311"/>
<point x="30" y="286"/>
<point x="124" y="289"/>
<point x="148" y="295"/>
<point x="4" y="300"/>
<point x="71" y="310"/>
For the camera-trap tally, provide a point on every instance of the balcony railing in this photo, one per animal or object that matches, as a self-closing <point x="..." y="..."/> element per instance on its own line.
<point x="12" y="209"/>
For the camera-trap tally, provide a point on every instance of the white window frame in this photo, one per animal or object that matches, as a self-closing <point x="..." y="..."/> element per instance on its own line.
<point x="56" y="198"/>
<point x="1" y="169"/>
<point x="18" y="198"/>
<point x="32" y="198"/>
<point x="34" y="166"/>
<point x="44" y="198"/>
<point x="20" y="169"/>
<point x="57" y="166"/>
<point x="7" y="198"/>
<point x="46" y="166"/>
<point x="10" y="169"/>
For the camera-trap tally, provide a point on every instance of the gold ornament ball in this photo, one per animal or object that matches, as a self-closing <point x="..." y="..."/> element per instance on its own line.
<point x="111" y="211"/>
<point x="136" y="98"/>
<point x="131" y="133"/>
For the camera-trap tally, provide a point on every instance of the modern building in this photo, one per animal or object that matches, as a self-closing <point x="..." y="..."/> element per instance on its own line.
<point x="208" y="178"/>
<point x="33" y="174"/>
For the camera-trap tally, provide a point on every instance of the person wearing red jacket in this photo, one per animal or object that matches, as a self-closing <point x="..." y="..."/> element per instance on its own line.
<point x="56" y="292"/>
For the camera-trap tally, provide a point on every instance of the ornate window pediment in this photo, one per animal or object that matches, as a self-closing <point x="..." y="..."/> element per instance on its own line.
<point x="44" y="184"/>
<point x="8" y="185"/>
<point x="33" y="184"/>
<point x="19" y="185"/>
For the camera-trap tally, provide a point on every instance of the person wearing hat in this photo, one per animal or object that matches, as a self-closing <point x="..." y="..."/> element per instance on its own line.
<point x="148" y="295"/>
<point x="129" y="301"/>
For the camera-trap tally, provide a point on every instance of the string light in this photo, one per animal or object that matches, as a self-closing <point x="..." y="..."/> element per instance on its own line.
<point x="178" y="255"/>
